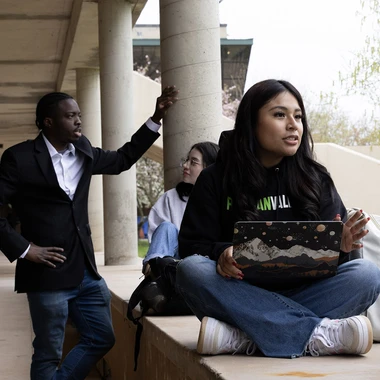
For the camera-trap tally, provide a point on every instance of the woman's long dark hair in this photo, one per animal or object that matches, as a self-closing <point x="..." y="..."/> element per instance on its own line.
<point x="245" y="176"/>
<point x="209" y="152"/>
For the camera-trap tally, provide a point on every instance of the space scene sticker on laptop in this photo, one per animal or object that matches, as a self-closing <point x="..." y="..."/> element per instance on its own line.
<point x="287" y="249"/>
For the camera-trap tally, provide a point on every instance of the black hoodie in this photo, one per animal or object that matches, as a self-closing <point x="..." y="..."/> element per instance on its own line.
<point x="208" y="223"/>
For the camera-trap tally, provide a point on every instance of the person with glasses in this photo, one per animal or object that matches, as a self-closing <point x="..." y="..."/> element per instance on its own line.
<point x="165" y="217"/>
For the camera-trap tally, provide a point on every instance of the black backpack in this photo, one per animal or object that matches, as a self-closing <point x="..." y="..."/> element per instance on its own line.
<point x="156" y="295"/>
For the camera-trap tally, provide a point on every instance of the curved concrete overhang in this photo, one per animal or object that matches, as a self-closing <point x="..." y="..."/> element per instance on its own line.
<point x="41" y="44"/>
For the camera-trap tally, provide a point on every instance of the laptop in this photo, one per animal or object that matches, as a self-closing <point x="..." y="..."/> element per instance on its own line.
<point x="274" y="254"/>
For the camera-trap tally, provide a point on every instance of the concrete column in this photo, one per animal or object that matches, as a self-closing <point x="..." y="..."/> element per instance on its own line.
<point x="190" y="59"/>
<point x="88" y="98"/>
<point x="116" y="84"/>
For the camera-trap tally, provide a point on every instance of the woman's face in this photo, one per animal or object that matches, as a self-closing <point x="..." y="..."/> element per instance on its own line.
<point x="192" y="166"/>
<point x="279" y="129"/>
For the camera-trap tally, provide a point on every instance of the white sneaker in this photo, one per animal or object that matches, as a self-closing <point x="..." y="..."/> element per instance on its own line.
<point x="216" y="337"/>
<point x="341" y="336"/>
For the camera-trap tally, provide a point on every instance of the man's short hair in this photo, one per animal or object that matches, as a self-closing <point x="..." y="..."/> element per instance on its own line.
<point x="47" y="104"/>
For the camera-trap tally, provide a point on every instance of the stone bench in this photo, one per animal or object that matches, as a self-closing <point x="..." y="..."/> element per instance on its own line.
<point x="168" y="348"/>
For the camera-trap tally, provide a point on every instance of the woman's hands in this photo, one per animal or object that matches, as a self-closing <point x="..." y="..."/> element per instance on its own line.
<point x="353" y="230"/>
<point x="227" y="266"/>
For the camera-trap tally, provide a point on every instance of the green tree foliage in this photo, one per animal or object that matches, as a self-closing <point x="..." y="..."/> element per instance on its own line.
<point x="328" y="123"/>
<point x="230" y="103"/>
<point x="146" y="70"/>
<point x="149" y="182"/>
<point x="364" y="76"/>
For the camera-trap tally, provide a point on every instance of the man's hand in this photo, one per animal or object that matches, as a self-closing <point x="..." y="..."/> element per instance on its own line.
<point x="164" y="102"/>
<point x="45" y="255"/>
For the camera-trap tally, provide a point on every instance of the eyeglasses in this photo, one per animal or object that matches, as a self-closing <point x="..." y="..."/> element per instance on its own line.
<point x="193" y="162"/>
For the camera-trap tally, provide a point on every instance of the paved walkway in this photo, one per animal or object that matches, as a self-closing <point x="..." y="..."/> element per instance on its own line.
<point x="16" y="332"/>
<point x="15" y="327"/>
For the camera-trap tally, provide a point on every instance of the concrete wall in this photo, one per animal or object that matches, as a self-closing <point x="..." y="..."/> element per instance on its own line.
<point x="356" y="176"/>
<point x="372" y="151"/>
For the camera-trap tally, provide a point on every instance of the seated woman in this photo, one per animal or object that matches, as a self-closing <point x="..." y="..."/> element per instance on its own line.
<point x="165" y="217"/>
<point x="270" y="154"/>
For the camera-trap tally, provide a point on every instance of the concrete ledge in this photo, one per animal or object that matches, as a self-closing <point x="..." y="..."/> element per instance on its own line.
<point x="167" y="345"/>
<point x="168" y="348"/>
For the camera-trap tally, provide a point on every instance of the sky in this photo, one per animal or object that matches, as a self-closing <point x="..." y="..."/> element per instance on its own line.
<point x="306" y="42"/>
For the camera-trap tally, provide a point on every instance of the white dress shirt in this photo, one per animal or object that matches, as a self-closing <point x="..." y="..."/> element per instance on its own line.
<point x="68" y="165"/>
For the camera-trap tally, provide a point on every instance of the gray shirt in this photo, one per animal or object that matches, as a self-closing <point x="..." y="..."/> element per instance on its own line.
<point x="168" y="208"/>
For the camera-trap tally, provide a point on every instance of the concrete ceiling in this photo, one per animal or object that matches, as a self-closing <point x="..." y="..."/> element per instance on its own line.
<point x="41" y="44"/>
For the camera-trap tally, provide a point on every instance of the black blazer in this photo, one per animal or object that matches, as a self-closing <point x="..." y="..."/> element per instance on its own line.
<point x="48" y="216"/>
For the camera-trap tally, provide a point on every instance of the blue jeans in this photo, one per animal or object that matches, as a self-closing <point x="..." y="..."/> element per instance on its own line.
<point x="88" y="306"/>
<point x="164" y="242"/>
<point x="280" y="323"/>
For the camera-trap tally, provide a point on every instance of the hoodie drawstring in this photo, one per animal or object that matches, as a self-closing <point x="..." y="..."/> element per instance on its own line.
<point x="277" y="171"/>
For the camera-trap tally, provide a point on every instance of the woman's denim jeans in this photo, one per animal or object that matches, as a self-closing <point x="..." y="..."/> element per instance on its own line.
<point x="164" y="242"/>
<point x="88" y="306"/>
<point x="279" y="323"/>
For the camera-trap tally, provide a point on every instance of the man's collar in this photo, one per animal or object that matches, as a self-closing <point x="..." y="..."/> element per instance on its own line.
<point x="53" y="151"/>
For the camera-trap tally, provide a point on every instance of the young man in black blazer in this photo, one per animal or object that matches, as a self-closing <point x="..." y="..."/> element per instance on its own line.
<point x="47" y="182"/>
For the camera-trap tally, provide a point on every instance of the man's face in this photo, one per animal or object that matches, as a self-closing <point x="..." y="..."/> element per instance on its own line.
<point x="64" y="126"/>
